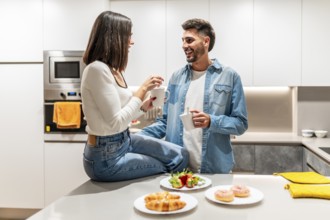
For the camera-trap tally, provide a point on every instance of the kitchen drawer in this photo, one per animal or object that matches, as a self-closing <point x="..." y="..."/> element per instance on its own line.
<point x="315" y="163"/>
<point x="244" y="158"/>
<point x="271" y="159"/>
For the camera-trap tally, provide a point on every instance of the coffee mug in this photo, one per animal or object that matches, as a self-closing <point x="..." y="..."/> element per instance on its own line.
<point x="161" y="96"/>
<point x="187" y="121"/>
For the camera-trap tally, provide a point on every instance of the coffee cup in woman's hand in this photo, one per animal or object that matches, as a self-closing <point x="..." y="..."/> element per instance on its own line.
<point x="161" y="96"/>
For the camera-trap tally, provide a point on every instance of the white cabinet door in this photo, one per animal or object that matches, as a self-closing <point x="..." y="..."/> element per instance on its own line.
<point x="233" y="24"/>
<point x="21" y="148"/>
<point x="315" y="43"/>
<point x="277" y="43"/>
<point x="67" y="24"/>
<point x="177" y="12"/>
<point x="147" y="56"/>
<point x="64" y="169"/>
<point x="21" y="31"/>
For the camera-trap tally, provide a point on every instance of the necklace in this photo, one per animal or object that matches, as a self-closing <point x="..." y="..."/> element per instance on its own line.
<point x="119" y="78"/>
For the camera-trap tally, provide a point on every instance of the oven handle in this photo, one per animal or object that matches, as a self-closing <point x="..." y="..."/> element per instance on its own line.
<point x="52" y="103"/>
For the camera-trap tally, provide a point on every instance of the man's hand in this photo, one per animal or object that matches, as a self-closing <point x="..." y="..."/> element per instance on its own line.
<point x="200" y="119"/>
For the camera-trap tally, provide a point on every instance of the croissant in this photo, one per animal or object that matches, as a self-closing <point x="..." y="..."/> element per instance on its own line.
<point x="160" y="196"/>
<point x="165" y="205"/>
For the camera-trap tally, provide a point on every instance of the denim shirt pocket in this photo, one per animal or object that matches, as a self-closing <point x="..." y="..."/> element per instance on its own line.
<point x="220" y="94"/>
<point x="220" y="98"/>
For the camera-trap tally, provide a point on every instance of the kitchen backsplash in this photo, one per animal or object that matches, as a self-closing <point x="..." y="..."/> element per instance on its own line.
<point x="313" y="108"/>
<point x="270" y="109"/>
<point x="283" y="109"/>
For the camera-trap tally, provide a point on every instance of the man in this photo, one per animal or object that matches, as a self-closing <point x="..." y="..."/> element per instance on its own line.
<point x="213" y="93"/>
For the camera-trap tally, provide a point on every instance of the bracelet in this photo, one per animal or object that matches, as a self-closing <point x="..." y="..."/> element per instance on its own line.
<point x="142" y="110"/>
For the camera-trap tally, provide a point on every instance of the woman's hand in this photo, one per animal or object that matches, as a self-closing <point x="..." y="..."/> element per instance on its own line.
<point x="149" y="84"/>
<point x="147" y="104"/>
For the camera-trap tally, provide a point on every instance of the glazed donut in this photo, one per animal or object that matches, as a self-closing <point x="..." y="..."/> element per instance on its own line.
<point x="224" y="195"/>
<point x="240" y="190"/>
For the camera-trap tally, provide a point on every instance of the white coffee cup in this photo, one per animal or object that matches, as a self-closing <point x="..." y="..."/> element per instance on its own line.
<point x="187" y="121"/>
<point x="160" y="94"/>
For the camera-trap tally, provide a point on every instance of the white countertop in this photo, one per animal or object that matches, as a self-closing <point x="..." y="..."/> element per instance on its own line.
<point x="95" y="200"/>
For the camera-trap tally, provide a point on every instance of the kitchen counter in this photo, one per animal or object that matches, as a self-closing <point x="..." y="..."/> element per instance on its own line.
<point x="261" y="138"/>
<point x="268" y="138"/>
<point x="94" y="200"/>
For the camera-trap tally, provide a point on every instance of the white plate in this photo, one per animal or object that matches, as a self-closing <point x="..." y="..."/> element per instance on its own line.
<point x="255" y="196"/>
<point x="191" y="203"/>
<point x="165" y="183"/>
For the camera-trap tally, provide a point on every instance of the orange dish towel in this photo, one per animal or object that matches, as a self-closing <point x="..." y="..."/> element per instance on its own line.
<point x="67" y="115"/>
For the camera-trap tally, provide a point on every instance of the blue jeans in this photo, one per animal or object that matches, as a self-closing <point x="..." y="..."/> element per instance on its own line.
<point x="127" y="156"/>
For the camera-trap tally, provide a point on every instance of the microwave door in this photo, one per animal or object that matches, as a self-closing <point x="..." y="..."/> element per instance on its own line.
<point x="65" y="69"/>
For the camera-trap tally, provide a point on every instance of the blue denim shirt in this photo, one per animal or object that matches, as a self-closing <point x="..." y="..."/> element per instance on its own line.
<point x="224" y="101"/>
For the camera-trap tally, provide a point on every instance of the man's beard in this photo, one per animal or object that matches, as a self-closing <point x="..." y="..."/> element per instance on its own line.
<point x="196" y="54"/>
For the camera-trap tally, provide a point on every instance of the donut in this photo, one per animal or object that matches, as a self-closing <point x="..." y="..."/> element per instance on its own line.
<point x="224" y="195"/>
<point x="240" y="191"/>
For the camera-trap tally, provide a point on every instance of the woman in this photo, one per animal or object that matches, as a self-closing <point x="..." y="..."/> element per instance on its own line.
<point x="111" y="152"/>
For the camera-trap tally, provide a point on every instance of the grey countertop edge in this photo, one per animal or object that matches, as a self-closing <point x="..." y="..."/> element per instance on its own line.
<point x="258" y="138"/>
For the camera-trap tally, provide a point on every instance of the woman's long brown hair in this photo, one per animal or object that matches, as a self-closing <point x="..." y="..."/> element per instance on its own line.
<point x="109" y="40"/>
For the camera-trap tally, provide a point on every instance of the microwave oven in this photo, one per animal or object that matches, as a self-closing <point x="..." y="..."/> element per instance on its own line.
<point x="62" y="74"/>
<point x="66" y="69"/>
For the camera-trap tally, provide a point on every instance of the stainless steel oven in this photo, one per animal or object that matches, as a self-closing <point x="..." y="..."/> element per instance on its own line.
<point x="62" y="74"/>
<point x="62" y="78"/>
<point x="51" y="127"/>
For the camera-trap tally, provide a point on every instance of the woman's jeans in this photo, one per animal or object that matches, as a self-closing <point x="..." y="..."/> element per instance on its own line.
<point x="126" y="156"/>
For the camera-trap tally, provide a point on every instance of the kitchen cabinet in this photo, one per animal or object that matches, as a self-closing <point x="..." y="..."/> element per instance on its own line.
<point x="21" y="149"/>
<point x="67" y="24"/>
<point x="271" y="159"/>
<point x="315" y="43"/>
<point x="177" y="12"/>
<point x="64" y="169"/>
<point x="233" y="24"/>
<point x="267" y="159"/>
<point x="277" y="43"/>
<point x="147" y="55"/>
<point x="21" y="31"/>
<point x="260" y="39"/>
<point x="315" y="163"/>
<point x="244" y="158"/>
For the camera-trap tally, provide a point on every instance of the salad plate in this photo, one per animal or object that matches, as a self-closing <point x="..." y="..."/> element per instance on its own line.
<point x="202" y="183"/>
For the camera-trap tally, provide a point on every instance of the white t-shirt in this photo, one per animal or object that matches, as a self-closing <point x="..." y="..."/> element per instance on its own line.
<point x="192" y="139"/>
<point x="108" y="108"/>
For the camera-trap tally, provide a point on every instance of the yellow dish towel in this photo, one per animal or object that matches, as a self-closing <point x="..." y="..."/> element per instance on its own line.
<point x="304" y="177"/>
<point x="308" y="191"/>
<point x="67" y="115"/>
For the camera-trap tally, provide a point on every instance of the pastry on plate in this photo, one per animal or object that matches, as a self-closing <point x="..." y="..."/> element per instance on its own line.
<point x="160" y="196"/>
<point x="240" y="191"/>
<point x="165" y="205"/>
<point x="224" y="195"/>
